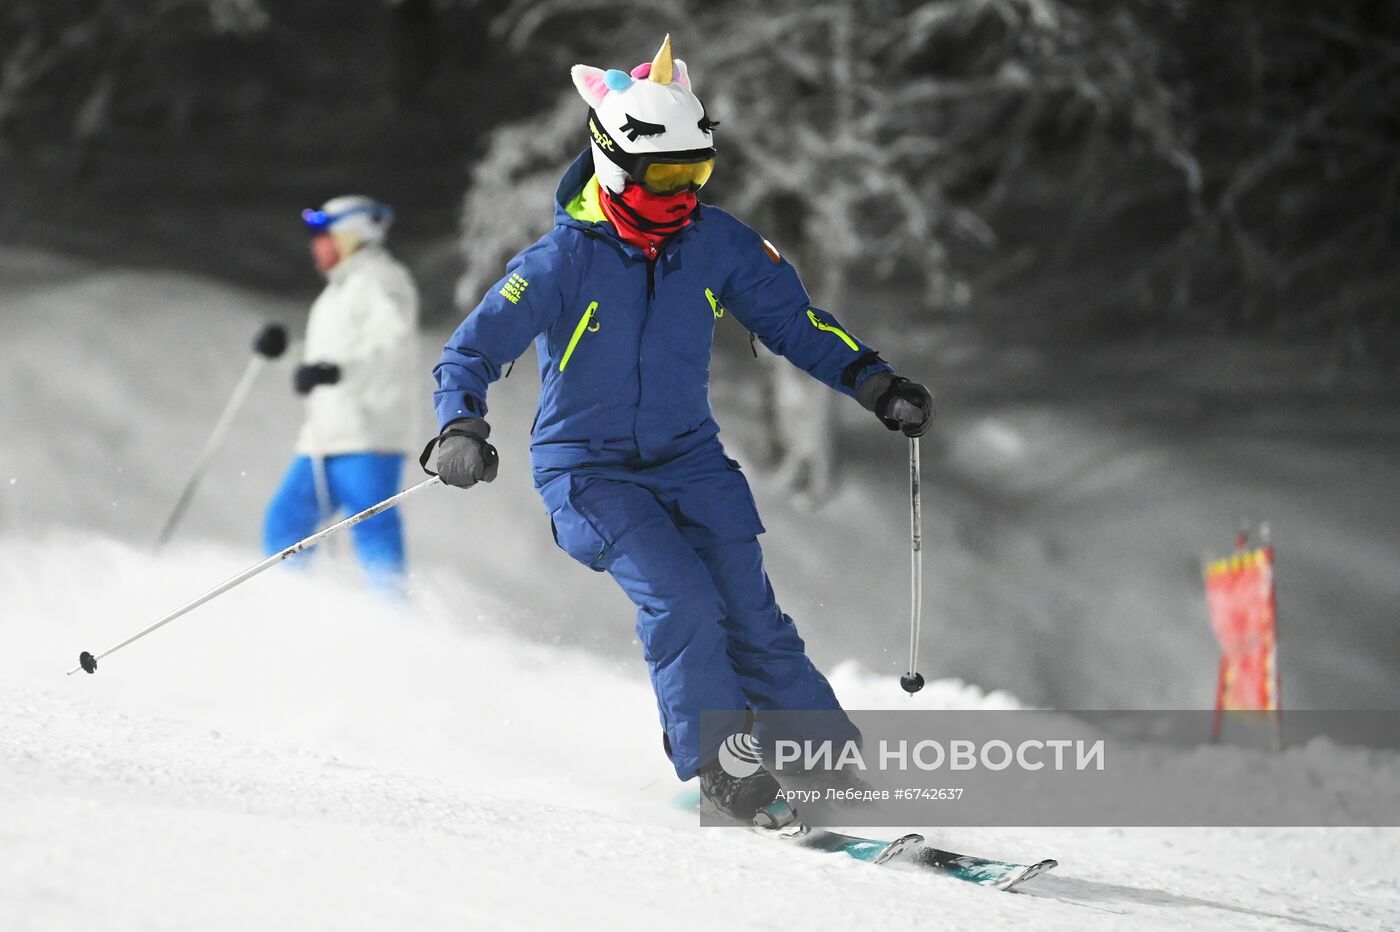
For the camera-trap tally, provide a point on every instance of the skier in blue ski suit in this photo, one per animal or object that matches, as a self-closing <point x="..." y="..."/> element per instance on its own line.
<point x="625" y="450"/>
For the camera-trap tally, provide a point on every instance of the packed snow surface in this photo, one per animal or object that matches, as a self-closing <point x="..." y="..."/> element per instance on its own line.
<point x="299" y="756"/>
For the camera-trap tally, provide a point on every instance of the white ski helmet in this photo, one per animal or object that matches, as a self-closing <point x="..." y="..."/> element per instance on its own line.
<point x="355" y="217"/>
<point x="647" y="126"/>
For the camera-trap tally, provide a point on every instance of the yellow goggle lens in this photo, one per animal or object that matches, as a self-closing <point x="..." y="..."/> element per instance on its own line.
<point x="670" y="177"/>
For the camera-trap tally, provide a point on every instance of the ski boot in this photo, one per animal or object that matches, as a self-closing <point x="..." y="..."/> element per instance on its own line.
<point x="738" y="798"/>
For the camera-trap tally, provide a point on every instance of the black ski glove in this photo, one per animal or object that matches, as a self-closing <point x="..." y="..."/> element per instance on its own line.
<point x="309" y="375"/>
<point x="464" y="456"/>
<point x="271" y="341"/>
<point x="899" y="403"/>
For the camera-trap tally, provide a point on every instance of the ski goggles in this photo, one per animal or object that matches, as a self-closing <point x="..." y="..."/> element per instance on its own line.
<point x="665" y="178"/>
<point x="318" y="221"/>
<point x="661" y="173"/>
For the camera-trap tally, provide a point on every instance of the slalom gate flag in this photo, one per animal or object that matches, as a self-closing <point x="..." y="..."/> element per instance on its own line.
<point x="1243" y="612"/>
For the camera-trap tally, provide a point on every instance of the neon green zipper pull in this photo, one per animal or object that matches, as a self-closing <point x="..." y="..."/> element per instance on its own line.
<point x="586" y="322"/>
<point x="715" y="306"/>
<point x="812" y="316"/>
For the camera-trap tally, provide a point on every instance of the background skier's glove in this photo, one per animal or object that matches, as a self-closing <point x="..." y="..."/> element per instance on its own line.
<point x="464" y="456"/>
<point x="310" y="375"/>
<point x="899" y="403"/>
<point x="271" y="341"/>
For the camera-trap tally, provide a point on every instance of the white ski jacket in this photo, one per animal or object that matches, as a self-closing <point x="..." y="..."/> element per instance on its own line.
<point x="365" y="322"/>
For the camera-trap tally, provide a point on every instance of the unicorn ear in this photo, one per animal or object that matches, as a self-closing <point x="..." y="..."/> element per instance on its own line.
<point x="617" y="80"/>
<point x="682" y="74"/>
<point x="591" y="83"/>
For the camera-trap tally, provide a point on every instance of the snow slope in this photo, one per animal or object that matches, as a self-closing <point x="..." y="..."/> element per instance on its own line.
<point x="298" y="755"/>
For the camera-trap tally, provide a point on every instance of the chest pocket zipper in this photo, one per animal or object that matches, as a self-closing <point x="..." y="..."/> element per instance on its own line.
<point x="588" y="322"/>
<point x="812" y="316"/>
<point x="715" y="307"/>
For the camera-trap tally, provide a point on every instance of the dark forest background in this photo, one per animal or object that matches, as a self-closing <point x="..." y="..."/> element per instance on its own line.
<point x="1146" y="165"/>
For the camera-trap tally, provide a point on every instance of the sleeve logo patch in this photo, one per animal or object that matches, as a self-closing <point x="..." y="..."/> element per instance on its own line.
<point x="772" y="251"/>
<point x="514" y="288"/>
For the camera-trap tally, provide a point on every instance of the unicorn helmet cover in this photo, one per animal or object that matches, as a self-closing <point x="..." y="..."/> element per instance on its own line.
<point x="647" y="126"/>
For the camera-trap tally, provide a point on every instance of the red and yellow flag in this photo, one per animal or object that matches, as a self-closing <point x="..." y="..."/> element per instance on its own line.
<point x="1243" y="612"/>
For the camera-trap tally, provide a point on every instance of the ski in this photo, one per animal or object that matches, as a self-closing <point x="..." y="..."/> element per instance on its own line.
<point x="911" y="849"/>
<point x="779" y="821"/>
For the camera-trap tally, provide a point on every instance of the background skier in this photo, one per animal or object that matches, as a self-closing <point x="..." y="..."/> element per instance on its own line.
<point x="356" y="372"/>
<point x="621" y="299"/>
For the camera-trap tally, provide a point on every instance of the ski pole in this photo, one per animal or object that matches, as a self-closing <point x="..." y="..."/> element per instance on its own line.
<point x="324" y="508"/>
<point x="320" y="480"/>
<point x="913" y="681"/>
<point x="269" y="345"/>
<point x="88" y="661"/>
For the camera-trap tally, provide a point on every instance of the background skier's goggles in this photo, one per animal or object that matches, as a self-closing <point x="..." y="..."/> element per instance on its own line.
<point x="318" y="221"/>
<point x="658" y="172"/>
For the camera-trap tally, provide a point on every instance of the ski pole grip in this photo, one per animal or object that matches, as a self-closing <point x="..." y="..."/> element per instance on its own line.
<point x="488" y="453"/>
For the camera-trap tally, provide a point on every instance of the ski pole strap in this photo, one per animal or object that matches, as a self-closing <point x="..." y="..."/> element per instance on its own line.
<point x="428" y="454"/>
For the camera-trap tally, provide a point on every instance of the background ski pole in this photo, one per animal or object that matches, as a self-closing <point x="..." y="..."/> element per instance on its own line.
<point x="913" y="681"/>
<point x="270" y="343"/>
<point x="324" y="508"/>
<point x="325" y="511"/>
<point x="88" y="661"/>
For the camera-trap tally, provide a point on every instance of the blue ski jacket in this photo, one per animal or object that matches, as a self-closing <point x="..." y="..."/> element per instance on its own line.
<point x="624" y="340"/>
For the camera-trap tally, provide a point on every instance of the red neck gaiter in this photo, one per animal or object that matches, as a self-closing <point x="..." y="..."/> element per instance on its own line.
<point x="646" y="220"/>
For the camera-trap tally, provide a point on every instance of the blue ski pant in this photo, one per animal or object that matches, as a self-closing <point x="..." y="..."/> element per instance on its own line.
<point x="681" y="541"/>
<point x="354" y="482"/>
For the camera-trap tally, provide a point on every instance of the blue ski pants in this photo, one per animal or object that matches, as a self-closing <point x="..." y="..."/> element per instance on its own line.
<point x="681" y="540"/>
<point x="354" y="481"/>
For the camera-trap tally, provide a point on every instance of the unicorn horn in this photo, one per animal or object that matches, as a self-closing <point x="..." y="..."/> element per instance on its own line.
<point x="662" y="70"/>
